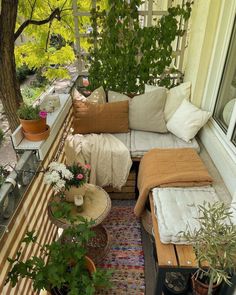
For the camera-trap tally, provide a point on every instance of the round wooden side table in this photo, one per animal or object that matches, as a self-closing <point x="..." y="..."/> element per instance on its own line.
<point x="96" y="207"/>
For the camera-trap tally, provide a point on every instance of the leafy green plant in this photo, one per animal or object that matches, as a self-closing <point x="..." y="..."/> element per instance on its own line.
<point x="23" y="71"/>
<point x="125" y="56"/>
<point x="31" y="93"/>
<point x="65" y="269"/>
<point x="214" y="242"/>
<point x="29" y="112"/>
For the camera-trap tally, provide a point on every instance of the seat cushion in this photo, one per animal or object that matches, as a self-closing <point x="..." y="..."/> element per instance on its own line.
<point x="124" y="138"/>
<point x="142" y="142"/>
<point x="177" y="208"/>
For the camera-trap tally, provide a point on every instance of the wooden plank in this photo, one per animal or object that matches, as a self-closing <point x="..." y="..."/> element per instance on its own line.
<point x="165" y="252"/>
<point x="125" y="189"/>
<point x="122" y="196"/>
<point x="186" y="256"/>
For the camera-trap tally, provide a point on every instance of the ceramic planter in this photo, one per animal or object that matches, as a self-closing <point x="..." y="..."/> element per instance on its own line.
<point x="91" y="269"/>
<point x="37" y="136"/>
<point x="34" y="126"/>
<point x="74" y="191"/>
<point x="200" y="288"/>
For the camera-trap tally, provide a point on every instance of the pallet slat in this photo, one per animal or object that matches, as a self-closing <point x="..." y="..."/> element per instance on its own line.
<point x="165" y="252"/>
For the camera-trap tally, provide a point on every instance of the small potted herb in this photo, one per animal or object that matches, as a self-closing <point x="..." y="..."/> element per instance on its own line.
<point x="214" y="244"/>
<point x="68" y="270"/>
<point x="33" y="122"/>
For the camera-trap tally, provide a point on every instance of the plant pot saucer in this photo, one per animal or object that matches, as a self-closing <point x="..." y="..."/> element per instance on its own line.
<point x="37" y="136"/>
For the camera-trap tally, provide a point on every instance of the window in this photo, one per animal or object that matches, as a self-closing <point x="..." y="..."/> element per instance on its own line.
<point x="224" y="113"/>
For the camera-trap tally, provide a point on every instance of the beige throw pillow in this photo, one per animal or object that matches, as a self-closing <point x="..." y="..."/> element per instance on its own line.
<point x="187" y="121"/>
<point x="116" y="96"/>
<point x="97" y="96"/>
<point x="146" y="111"/>
<point x="174" y="98"/>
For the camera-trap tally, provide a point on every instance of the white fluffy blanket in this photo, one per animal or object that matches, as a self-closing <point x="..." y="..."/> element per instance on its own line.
<point x="109" y="158"/>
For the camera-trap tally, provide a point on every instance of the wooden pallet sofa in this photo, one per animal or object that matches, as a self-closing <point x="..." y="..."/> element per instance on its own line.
<point x="142" y="130"/>
<point x="142" y="123"/>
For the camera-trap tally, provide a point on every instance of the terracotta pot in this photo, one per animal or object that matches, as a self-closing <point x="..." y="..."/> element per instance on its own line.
<point x="91" y="269"/>
<point x="34" y="126"/>
<point x="73" y="191"/>
<point x="200" y="288"/>
<point x="38" y="136"/>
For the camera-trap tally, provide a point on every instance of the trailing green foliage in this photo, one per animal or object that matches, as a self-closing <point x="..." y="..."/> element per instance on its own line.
<point x="214" y="242"/>
<point x="29" y="112"/>
<point x="51" y="43"/>
<point x="65" y="268"/>
<point x="125" y="56"/>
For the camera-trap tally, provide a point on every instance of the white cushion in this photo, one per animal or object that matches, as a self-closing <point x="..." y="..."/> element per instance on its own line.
<point x="177" y="208"/>
<point x="124" y="138"/>
<point x="143" y="141"/>
<point x="174" y="98"/>
<point x="116" y="96"/>
<point x="97" y="96"/>
<point x="146" y="111"/>
<point x="187" y="121"/>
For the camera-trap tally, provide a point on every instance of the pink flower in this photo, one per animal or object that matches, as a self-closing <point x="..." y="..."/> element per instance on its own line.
<point x="85" y="82"/>
<point x="43" y="114"/>
<point x="80" y="176"/>
<point x="87" y="166"/>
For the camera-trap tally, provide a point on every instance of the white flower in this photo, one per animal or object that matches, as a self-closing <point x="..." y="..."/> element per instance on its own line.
<point x="59" y="185"/>
<point x="67" y="174"/>
<point x="53" y="166"/>
<point x="55" y="176"/>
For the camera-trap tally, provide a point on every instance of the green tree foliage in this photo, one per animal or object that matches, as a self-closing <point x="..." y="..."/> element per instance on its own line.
<point x="42" y="48"/>
<point x="127" y="55"/>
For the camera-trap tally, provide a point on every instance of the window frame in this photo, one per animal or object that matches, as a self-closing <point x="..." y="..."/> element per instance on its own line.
<point x="216" y="68"/>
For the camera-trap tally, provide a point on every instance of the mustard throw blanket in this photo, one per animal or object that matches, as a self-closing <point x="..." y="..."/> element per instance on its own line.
<point x="168" y="168"/>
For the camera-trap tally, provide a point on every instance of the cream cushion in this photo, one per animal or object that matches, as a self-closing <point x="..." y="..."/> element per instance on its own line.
<point x="174" y="98"/>
<point x="97" y="96"/>
<point x="146" y="111"/>
<point x="187" y="121"/>
<point x="116" y="96"/>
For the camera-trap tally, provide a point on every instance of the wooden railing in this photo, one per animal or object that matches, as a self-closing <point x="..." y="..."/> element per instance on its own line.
<point x="31" y="214"/>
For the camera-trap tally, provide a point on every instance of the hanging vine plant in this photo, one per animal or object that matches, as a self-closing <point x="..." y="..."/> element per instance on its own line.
<point x="124" y="55"/>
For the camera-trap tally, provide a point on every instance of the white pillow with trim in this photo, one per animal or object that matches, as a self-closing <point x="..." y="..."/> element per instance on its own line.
<point x="174" y="98"/>
<point x="187" y="121"/>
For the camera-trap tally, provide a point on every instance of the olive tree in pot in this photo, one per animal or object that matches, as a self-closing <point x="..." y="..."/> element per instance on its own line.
<point x="214" y="244"/>
<point x="63" y="267"/>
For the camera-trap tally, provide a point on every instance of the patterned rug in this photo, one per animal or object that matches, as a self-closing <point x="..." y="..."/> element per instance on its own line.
<point x="126" y="257"/>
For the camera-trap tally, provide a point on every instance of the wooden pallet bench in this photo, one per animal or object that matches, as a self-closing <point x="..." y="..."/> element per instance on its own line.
<point x="181" y="258"/>
<point x="129" y="190"/>
<point x="170" y="257"/>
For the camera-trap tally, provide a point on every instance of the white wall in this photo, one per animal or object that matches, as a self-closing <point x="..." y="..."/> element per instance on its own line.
<point x="210" y="32"/>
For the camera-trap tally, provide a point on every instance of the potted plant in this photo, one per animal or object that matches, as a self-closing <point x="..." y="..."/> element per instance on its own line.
<point x="63" y="267"/>
<point x="125" y="55"/>
<point x="214" y="244"/>
<point x="33" y="122"/>
<point x="68" y="180"/>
